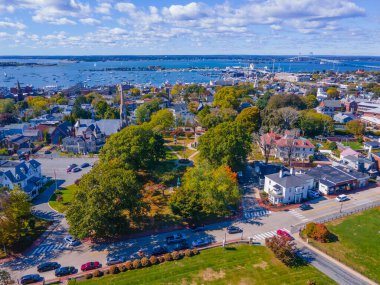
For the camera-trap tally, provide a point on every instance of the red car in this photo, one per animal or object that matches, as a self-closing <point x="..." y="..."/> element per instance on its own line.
<point x="90" y="266"/>
<point x="284" y="234"/>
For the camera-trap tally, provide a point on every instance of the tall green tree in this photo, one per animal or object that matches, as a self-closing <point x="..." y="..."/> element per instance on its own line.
<point x="106" y="203"/>
<point x="206" y="191"/>
<point x="15" y="216"/>
<point x="356" y="127"/>
<point x="263" y="100"/>
<point x="228" y="143"/>
<point x="250" y="118"/>
<point x="227" y="97"/>
<point x="138" y="147"/>
<point x="281" y="101"/>
<point x="161" y="120"/>
<point x="313" y="123"/>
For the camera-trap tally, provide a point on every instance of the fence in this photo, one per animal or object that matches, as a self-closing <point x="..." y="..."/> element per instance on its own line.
<point x="336" y="216"/>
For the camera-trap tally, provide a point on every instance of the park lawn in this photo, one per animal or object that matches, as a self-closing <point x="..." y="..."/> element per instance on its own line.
<point x="358" y="242"/>
<point x="67" y="194"/>
<point x="242" y="264"/>
<point x="353" y="145"/>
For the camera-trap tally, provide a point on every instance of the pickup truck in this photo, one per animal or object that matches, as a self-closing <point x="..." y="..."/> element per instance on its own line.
<point x="176" y="238"/>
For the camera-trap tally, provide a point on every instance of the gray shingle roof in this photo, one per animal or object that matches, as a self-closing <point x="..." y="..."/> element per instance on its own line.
<point x="288" y="180"/>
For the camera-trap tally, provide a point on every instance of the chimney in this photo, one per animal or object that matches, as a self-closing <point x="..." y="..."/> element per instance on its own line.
<point x="292" y="171"/>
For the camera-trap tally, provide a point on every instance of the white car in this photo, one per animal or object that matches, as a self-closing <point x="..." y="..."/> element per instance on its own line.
<point x="71" y="241"/>
<point x="342" y="198"/>
<point x="201" y="242"/>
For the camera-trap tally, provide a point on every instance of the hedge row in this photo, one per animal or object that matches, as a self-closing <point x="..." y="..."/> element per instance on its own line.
<point x="143" y="262"/>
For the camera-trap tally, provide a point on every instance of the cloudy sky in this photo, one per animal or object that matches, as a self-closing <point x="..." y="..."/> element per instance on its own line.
<point x="76" y="27"/>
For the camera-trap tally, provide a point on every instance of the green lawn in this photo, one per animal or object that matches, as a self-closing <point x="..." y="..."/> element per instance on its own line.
<point x="67" y="194"/>
<point x="358" y="243"/>
<point x="239" y="265"/>
<point x="353" y="145"/>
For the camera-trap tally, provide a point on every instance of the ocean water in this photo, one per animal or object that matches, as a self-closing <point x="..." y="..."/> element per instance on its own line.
<point x="91" y="70"/>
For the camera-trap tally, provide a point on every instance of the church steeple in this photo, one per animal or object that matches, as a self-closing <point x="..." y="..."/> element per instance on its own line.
<point x="123" y="109"/>
<point x="20" y="96"/>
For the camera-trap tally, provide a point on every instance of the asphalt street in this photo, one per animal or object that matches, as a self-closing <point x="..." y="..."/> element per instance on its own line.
<point x="256" y="222"/>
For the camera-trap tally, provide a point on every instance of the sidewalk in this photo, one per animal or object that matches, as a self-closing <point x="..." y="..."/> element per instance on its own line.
<point x="342" y="266"/>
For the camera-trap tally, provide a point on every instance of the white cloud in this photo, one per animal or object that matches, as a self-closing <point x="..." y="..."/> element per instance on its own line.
<point x="103" y="8"/>
<point x="191" y="11"/>
<point x="13" y="25"/>
<point x="89" y="21"/>
<point x="42" y="18"/>
<point x="275" y="27"/>
<point x="125" y="7"/>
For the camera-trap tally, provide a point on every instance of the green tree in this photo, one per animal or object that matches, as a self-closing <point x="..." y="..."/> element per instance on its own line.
<point x="106" y="202"/>
<point x="7" y="106"/>
<point x="135" y="91"/>
<point x="355" y="127"/>
<point x="333" y="93"/>
<point x="138" y="147"/>
<point x="281" y="101"/>
<point x="228" y="143"/>
<point x="206" y="191"/>
<point x="226" y="97"/>
<point x="250" y="118"/>
<point x="161" y="120"/>
<point x="263" y="100"/>
<point x="16" y="215"/>
<point x="313" y="123"/>
<point x="145" y="111"/>
<point x="310" y="101"/>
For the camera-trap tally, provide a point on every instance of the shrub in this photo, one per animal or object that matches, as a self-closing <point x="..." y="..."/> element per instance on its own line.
<point x="195" y="251"/>
<point x="136" y="263"/>
<point x="145" y="262"/>
<point x="283" y="249"/>
<point x="107" y="271"/>
<point x="98" y="273"/>
<point x="122" y="268"/>
<point x="88" y="276"/>
<point x="175" y="255"/>
<point x="168" y="257"/>
<point x="318" y="232"/>
<point x="188" y="252"/>
<point x="129" y="265"/>
<point x="309" y="230"/>
<point x="161" y="259"/>
<point x="153" y="260"/>
<point x="114" y="269"/>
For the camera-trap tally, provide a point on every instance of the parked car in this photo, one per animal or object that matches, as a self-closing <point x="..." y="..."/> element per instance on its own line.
<point x="76" y="169"/>
<point x="71" y="241"/>
<point x="176" y="238"/>
<point x="201" y="242"/>
<point x="64" y="271"/>
<point x="47" y="266"/>
<point x="90" y="266"/>
<point x="197" y="228"/>
<point x="234" y="230"/>
<point x="342" y="198"/>
<point x="284" y="234"/>
<point x="47" y="152"/>
<point x="314" y="194"/>
<point x="71" y="167"/>
<point x="84" y="165"/>
<point x="112" y="260"/>
<point x="181" y="246"/>
<point x="305" y="207"/>
<point x="159" y="250"/>
<point x="31" y="278"/>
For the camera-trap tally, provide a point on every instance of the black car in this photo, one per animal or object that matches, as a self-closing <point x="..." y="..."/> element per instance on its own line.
<point x="181" y="246"/>
<point x="84" y="165"/>
<point x="197" y="228"/>
<point x="159" y="250"/>
<point x="63" y="271"/>
<point x="32" y="278"/>
<point x="47" y="266"/>
<point x="305" y="207"/>
<point x="234" y="230"/>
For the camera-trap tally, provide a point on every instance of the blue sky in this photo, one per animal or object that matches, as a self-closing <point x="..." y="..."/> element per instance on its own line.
<point x="89" y="27"/>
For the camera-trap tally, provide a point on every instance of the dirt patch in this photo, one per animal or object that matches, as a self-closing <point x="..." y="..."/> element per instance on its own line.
<point x="210" y="275"/>
<point x="263" y="265"/>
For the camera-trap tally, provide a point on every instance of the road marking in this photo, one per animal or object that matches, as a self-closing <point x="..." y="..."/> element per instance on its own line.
<point x="298" y="215"/>
<point x="48" y="248"/>
<point x="265" y="235"/>
<point x="257" y="213"/>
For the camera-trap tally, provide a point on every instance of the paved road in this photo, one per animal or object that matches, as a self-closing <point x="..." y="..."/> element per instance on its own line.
<point x="260" y="224"/>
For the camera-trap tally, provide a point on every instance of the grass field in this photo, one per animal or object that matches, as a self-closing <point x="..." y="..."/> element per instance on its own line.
<point x="67" y="194"/>
<point x="238" y="265"/>
<point x="358" y="243"/>
<point x="353" y="145"/>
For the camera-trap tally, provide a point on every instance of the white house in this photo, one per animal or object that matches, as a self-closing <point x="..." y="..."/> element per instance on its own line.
<point x="288" y="187"/>
<point x="26" y="174"/>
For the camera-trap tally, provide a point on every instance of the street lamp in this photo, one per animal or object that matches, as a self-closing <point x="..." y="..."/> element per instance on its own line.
<point x="341" y="206"/>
